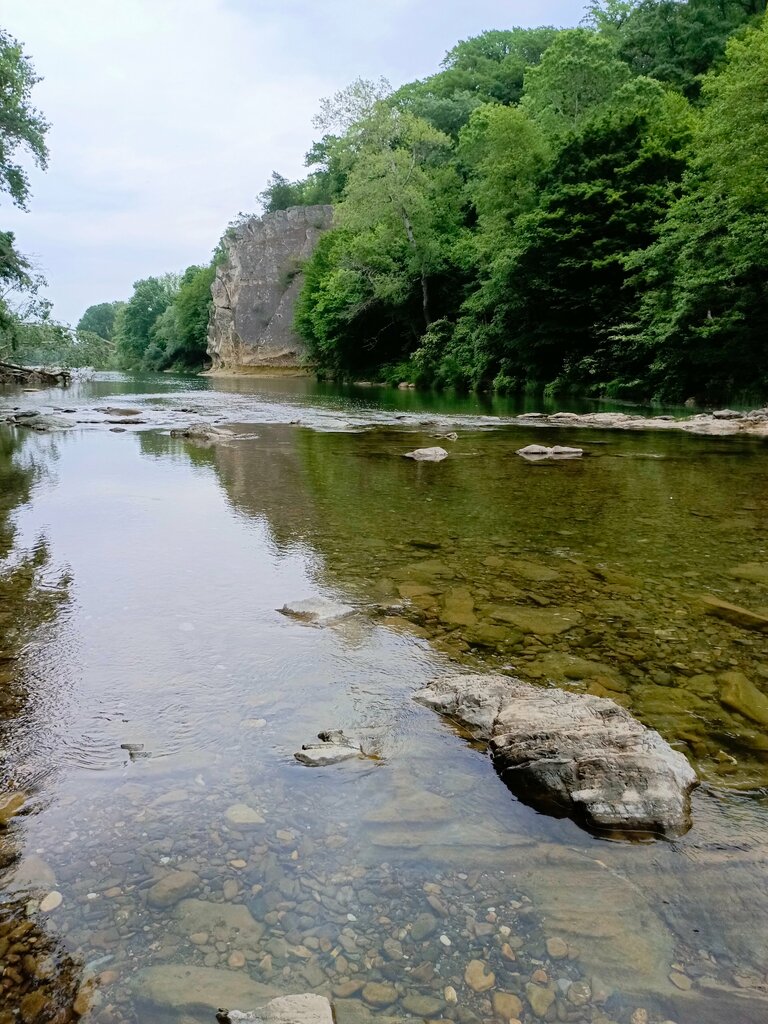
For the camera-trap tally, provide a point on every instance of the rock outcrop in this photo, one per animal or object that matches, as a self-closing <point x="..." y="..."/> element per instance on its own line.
<point x="585" y="756"/>
<point x="256" y="288"/>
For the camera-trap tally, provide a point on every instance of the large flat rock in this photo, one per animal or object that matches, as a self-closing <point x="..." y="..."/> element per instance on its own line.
<point x="198" y="991"/>
<point x="576" y="754"/>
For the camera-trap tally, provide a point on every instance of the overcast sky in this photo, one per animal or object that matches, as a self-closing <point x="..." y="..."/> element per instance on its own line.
<point x="169" y="115"/>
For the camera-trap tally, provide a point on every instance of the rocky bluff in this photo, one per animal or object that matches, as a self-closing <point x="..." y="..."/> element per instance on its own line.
<point x="256" y="287"/>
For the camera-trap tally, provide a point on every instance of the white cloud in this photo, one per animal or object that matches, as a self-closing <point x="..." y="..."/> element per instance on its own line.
<point x="168" y="115"/>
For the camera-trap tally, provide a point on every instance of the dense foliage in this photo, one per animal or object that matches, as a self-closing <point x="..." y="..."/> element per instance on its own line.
<point x="580" y="209"/>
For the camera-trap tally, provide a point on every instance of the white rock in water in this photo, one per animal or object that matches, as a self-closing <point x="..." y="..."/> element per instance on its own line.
<point x="728" y="414"/>
<point x="51" y="901"/>
<point x="585" y="754"/>
<point x="318" y="610"/>
<point x="241" y="816"/>
<point x="427" y="454"/>
<point x="534" y="452"/>
<point x="302" y="1009"/>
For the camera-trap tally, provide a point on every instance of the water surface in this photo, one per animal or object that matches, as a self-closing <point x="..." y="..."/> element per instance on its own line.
<point x="141" y="583"/>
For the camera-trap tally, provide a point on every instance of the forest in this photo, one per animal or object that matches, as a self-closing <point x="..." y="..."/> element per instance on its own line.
<point x="578" y="210"/>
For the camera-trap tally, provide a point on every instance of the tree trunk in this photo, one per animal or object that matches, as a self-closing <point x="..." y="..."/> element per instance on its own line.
<point x="424" y="286"/>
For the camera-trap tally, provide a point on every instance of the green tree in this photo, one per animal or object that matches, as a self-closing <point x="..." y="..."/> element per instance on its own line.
<point x="22" y="127"/>
<point x="134" y="323"/>
<point x="100" y="319"/>
<point x="578" y="75"/>
<point x="704" y="316"/>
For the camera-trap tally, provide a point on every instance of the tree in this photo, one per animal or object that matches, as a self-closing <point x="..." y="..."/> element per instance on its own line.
<point x="280" y="193"/>
<point x="578" y="75"/>
<point x="704" y="315"/>
<point x="134" y="323"/>
<point x="22" y="127"/>
<point x="100" y="319"/>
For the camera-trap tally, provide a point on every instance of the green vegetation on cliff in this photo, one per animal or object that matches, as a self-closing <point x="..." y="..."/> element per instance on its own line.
<point x="582" y="210"/>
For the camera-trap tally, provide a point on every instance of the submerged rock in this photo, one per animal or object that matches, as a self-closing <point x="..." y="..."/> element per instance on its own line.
<point x="582" y="754"/>
<point x="534" y="452"/>
<point x="332" y="748"/>
<point x="320" y="611"/>
<point x="302" y="1009"/>
<point x="735" y="614"/>
<point x="188" y="988"/>
<point x="427" y="454"/>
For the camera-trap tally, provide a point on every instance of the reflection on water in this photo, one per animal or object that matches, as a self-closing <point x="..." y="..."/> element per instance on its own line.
<point x="379" y="882"/>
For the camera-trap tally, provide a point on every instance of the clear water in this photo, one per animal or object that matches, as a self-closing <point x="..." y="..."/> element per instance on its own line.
<point x="142" y="577"/>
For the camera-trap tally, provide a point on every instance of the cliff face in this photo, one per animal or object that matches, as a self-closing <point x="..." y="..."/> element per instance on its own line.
<point x="256" y="287"/>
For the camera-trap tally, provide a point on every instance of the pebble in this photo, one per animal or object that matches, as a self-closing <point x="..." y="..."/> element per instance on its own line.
<point x="445" y="940"/>
<point x="50" y="902"/>
<point x="557" y="948"/>
<point x="450" y="995"/>
<point x="478" y="976"/>
<point x="681" y="981"/>
<point x="241" y="816"/>
<point x="379" y="994"/>
<point x="506" y="1005"/>
<point x="640" y="1016"/>
<point x="236" y="959"/>
<point x="239" y="864"/>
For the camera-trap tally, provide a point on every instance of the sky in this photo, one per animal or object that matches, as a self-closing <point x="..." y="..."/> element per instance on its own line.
<point x="168" y="116"/>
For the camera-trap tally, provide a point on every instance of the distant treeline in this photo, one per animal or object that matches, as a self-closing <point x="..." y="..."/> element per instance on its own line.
<point x="581" y="209"/>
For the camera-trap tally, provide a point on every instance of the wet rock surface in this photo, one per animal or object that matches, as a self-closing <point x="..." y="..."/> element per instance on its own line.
<point x="584" y="754"/>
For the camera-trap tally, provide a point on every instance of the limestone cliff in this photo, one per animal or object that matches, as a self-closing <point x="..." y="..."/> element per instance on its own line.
<point x="256" y="288"/>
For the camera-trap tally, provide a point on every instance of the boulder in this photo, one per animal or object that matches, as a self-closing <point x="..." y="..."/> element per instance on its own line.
<point x="301" y="1009"/>
<point x="577" y="754"/>
<point x="727" y="414"/>
<point x="332" y="748"/>
<point x="427" y="454"/>
<point x="205" y="433"/>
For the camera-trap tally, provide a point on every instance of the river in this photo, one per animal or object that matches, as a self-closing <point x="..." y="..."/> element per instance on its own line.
<point x="171" y="856"/>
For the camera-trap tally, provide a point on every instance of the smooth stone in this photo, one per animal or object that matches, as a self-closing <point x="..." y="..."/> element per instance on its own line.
<point x="735" y="614"/>
<point x="478" y="976"/>
<point x="539" y="621"/>
<point x="422" y="1006"/>
<point x="187" y="988"/>
<point x="557" y="948"/>
<point x="307" y="1008"/>
<point x="506" y="1005"/>
<point x="50" y="902"/>
<point x="10" y="805"/>
<point x="739" y="694"/>
<point x="427" y="454"/>
<point x="756" y="572"/>
<point x="171" y="888"/>
<point x="379" y="994"/>
<point x="241" y="816"/>
<point x="585" y="754"/>
<point x="424" y="926"/>
<point x="680" y="980"/>
<point x="230" y="922"/>
<point x="540" y="998"/>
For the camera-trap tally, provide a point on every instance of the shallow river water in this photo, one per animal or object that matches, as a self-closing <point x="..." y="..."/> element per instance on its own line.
<point x="139" y="585"/>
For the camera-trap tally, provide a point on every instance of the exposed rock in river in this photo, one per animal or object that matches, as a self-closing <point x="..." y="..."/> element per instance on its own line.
<point x="535" y="452"/>
<point x="435" y="454"/>
<point x="256" y="287"/>
<point x="582" y="754"/>
<point x="332" y="748"/>
<point x="302" y="1009"/>
<point x="320" y="611"/>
